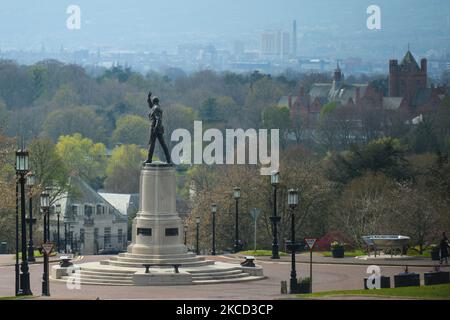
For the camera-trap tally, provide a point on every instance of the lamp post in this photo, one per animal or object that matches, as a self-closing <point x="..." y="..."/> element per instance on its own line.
<point x="65" y="236"/>
<point x="185" y="234"/>
<point x="293" y="202"/>
<point x="213" y="212"/>
<point x="197" y="222"/>
<point x="22" y="168"/>
<point x="31" y="180"/>
<point x="58" y="213"/>
<point x="17" y="269"/>
<point x="45" y="206"/>
<point x="236" y="196"/>
<point x="275" y="180"/>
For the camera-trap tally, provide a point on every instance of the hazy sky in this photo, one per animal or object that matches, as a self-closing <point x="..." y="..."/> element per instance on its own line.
<point x="139" y="23"/>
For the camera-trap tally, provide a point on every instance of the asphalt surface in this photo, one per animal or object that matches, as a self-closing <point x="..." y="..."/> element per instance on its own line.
<point x="326" y="277"/>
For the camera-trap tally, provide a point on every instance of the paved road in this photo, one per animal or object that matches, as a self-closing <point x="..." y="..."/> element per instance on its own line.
<point x="326" y="277"/>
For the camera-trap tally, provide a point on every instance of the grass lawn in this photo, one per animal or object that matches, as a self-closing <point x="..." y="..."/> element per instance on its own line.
<point x="353" y="253"/>
<point x="441" y="291"/>
<point x="261" y="253"/>
<point x="15" y="298"/>
<point x="37" y="254"/>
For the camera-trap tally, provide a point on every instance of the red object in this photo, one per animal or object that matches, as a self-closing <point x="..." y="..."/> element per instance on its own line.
<point x="324" y="243"/>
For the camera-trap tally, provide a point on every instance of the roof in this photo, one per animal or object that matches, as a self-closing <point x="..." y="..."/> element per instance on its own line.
<point x="320" y="90"/>
<point x="82" y="191"/>
<point x="120" y="201"/>
<point x="409" y="62"/>
<point x="392" y="103"/>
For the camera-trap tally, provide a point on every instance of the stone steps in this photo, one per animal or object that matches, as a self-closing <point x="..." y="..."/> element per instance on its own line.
<point x="100" y="281"/>
<point x="156" y="256"/>
<point x="138" y="265"/>
<point x="182" y="261"/>
<point x="102" y="275"/>
<point x="233" y="280"/>
<point x="220" y="277"/>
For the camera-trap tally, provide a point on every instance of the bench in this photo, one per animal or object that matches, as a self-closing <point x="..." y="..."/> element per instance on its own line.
<point x="174" y="265"/>
<point x="249" y="262"/>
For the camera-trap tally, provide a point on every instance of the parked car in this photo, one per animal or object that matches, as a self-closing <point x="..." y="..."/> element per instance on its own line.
<point x="109" y="251"/>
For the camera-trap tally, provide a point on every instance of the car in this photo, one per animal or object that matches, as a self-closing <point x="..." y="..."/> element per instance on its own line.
<point x="109" y="251"/>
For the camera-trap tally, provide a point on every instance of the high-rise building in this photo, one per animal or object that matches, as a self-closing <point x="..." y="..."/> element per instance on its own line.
<point x="294" y="39"/>
<point x="275" y="43"/>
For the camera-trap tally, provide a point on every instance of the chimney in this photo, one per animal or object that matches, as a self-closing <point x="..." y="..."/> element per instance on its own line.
<point x="423" y="65"/>
<point x="302" y="91"/>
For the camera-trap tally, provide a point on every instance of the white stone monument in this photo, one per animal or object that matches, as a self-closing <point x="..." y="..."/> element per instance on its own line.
<point x="157" y="254"/>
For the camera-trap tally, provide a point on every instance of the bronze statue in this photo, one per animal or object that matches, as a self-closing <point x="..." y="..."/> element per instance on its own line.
<point x="156" y="129"/>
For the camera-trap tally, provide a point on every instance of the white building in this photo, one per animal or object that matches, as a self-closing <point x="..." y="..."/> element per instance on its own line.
<point x="89" y="224"/>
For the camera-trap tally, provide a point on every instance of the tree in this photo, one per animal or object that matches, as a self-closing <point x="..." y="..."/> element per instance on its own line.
<point x="131" y="129"/>
<point x="384" y="155"/>
<point x="7" y="191"/>
<point x="124" y="167"/>
<point x="83" y="157"/>
<point x="48" y="167"/>
<point x="278" y="118"/>
<point x="82" y="120"/>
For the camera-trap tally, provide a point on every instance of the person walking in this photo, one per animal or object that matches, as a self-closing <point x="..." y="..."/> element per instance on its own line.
<point x="443" y="248"/>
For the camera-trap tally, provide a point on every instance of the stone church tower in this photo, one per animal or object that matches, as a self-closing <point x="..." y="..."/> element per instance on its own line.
<point x="407" y="78"/>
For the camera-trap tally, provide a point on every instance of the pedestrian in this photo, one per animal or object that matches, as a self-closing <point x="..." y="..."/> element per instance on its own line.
<point x="443" y="246"/>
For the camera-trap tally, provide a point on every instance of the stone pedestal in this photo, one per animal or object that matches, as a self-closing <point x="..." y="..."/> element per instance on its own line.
<point x="88" y="246"/>
<point x="157" y="228"/>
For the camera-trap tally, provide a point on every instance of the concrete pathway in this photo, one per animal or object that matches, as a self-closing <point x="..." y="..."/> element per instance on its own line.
<point x="326" y="277"/>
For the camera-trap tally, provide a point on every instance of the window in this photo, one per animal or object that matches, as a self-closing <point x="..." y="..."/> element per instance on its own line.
<point x="75" y="209"/>
<point x="119" y="236"/>
<point x="107" y="236"/>
<point x="101" y="209"/>
<point x="171" y="232"/>
<point x="96" y="234"/>
<point x="88" y="210"/>
<point x="82" y="235"/>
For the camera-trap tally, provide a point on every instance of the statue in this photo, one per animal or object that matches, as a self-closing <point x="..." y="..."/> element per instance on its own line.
<point x="156" y="129"/>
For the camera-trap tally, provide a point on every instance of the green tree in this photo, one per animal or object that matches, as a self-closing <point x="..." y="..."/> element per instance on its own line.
<point x="83" y="157"/>
<point x="278" y="118"/>
<point x="123" y="169"/>
<point x="82" y="120"/>
<point x="131" y="129"/>
<point x="384" y="155"/>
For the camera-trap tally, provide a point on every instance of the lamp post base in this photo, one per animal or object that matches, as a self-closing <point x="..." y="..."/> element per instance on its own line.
<point x="275" y="253"/>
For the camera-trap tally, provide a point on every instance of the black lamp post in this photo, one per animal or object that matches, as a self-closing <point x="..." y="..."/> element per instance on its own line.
<point x="31" y="180"/>
<point x="22" y="168"/>
<point x="185" y="234"/>
<point x="58" y="213"/>
<point x="65" y="236"/>
<point x="197" y="222"/>
<point x="236" y="196"/>
<point x="17" y="268"/>
<point x="213" y="212"/>
<point x="275" y="180"/>
<point x="45" y="206"/>
<point x="293" y="202"/>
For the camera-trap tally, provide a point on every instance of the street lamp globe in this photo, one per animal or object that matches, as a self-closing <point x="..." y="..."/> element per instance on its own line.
<point x="197" y="220"/>
<point x="275" y="178"/>
<point x="214" y="208"/>
<point x="292" y="198"/>
<point x="185" y="228"/>
<point x="58" y="209"/>
<point x="45" y="200"/>
<point x="31" y="180"/>
<point x="22" y="161"/>
<point x="237" y="192"/>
